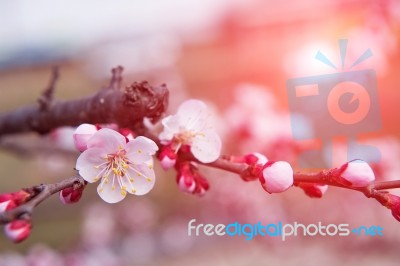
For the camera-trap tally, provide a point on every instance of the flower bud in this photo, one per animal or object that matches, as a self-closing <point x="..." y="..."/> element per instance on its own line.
<point x="167" y="157"/>
<point x="358" y="173"/>
<point x="190" y="180"/>
<point x="70" y="195"/>
<point x="18" y="230"/>
<point x="314" y="190"/>
<point x="276" y="177"/>
<point x="185" y="179"/>
<point x="82" y="134"/>
<point x="256" y="161"/>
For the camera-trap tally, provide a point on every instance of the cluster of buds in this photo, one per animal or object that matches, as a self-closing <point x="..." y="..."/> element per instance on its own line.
<point x="17" y="230"/>
<point x="189" y="179"/>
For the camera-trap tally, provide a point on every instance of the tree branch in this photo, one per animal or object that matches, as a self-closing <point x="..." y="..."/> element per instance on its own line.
<point x="38" y="194"/>
<point x="126" y="107"/>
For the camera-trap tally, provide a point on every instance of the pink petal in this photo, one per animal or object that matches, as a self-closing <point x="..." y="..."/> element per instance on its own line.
<point x="107" y="139"/>
<point x="140" y="149"/>
<point x="110" y="195"/>
<point x="87" y="161"/>
<point x="143" y="179"/>
<point x="206" y="147"/>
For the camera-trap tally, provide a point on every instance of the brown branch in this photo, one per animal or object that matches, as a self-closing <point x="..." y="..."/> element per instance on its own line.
<point x="39" y="193"/>
<point x="126" y="107"/>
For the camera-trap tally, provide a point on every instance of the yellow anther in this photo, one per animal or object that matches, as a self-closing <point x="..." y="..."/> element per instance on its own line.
<point x="131" y="180"/>
<point x="120" y="147"/>
<point x="96" y="178"/>
<point x="139" y="174"/>
<point x="100" y="190"/>
<point x="139" y="151"/>
<point x="150" y="166"/>
<point x="106" y="181"/>
<point x="148" y="179"/>
<point x="123" y="193"/>
<point x="115" y="171"/>
<point x="123" y="187"/>
<point x="133" y="190"/>
<point x="113" y="188"/>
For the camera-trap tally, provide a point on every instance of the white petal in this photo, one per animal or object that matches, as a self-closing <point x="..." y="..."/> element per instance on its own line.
<point x="140" y="149"/>
<point x="107" y="139"/>
<point x="193" y="115"/>
<point x="358" y="173"/>
<point x="171" y="127"/>
<point x="206" y="147"/>
<point x="87" y="161"/>
<point x="108" y="194"/>
<point x="143" y="179"/>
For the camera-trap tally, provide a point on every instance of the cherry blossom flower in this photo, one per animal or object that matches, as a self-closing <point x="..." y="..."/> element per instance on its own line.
<point x="276" y="176"/>
<point x="192" y="126"/>
<point x="358" y="173"/>
<point x="121" y="167"/>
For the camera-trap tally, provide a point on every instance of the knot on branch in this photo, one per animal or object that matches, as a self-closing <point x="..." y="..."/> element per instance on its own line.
<point x="152" y="100"/>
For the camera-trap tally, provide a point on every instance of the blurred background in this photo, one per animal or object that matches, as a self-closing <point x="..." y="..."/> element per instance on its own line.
<point x="237" y="56"/>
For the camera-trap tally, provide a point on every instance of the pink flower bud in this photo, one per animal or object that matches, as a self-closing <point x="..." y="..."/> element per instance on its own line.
<point x="314" y="190"/>
<point x="167" y="157"/>
<point x="358" y="173"/>
<point x="201" y="185"/>
<point x="185" y="179"/>
<point x="18" y="230"/>
<point x="70" y="195"/>
<point x="276" y="176"/>
<point x="256" y="162"/>
<point x="255" y="158"/>
<point x="82" y="134"/>
<point x="190" y="181"/>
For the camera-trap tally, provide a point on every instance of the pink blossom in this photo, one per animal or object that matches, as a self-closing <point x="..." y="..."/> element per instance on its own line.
<point x="276" y="176"/>
<point x="358" y="173"/>
<point x="121" y="167"/>
<point x="191" y="126"/>
<point x="18" y="230"/>
<point x="82" y="134"/>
